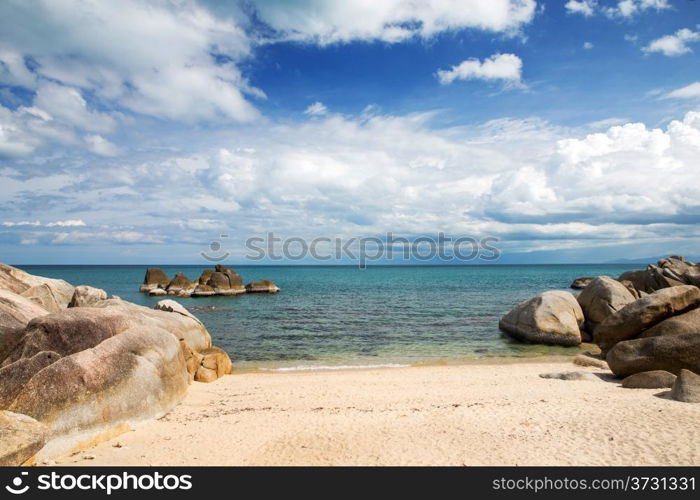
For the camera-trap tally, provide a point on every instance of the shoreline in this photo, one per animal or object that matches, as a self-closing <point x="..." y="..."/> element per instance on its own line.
<point x="499" y="413"/>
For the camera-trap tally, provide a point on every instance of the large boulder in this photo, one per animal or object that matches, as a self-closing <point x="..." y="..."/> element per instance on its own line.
<point x="16" y="311"/>
<point x="44" y="296"/>
<point x="21" y="437"/>
<point x="264" y="286"/>
<point x="553" y="317"/>
<point x="226" y="281"/>
<point x="203" y="291"/>
<point x="688" y="322"/>
<point x="215" y="363"/>
<point x="168" y="305"/>
<point x="15" y="375"/>
<point x="181" y="285"/>
<point x="602" y="297"/>
<point x="86" y="296"/>
<point x="630" y="321"/>
<point x="155" y="278"/>
<point x="687" y="387"/>
<point x="650" y="279"/>
<point x="128" y="378"/>
<point x="671" y="353"/>
<point x="655" y="379"/>
<point x="17" y="281"/>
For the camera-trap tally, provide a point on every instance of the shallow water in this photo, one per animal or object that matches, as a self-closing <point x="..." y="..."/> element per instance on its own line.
<point x="330" y="316"/>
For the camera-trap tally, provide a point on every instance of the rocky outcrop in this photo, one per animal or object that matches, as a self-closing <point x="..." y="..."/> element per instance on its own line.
<point x="175" y="307"/>
<point x="21" y="437"/>
<point x="671" y="353"/>
<point x="602" y="297"/>
<point x="264" y="286"/>
<point x="181" y="285"/>
<point x="687" y="387"/>
<point x="655" y="379"/>
<point x="688" y="322"/>
<point x="85" y="296"/>
<point x="636" y="317"/>
<point x="17" y="281"/>
<point x="155" y="278"/>
<point x="672" y="271"/>
<point x="130" y="377"/>
<point x="16" y="311"/>
<point x="15" y="375"/>
<point x="549" y="318"/>
<point x="44" y="296"/>
<point x="581" y="283"/>
<point x="226" y="281"/>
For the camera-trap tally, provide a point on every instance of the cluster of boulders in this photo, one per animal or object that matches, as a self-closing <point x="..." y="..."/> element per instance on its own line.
<point x="646" y="324"/>
<point x="222" y="280"/>
<point x="77" y="367"/>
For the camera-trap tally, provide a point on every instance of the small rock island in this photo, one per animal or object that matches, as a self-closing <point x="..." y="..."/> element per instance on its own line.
<point x="222" y="280"/>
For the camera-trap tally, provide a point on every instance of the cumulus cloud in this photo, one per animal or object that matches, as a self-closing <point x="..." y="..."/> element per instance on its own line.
<point x="583" y="7"/>
<point x="316" y="109"/>
<point x="691" y="91"/>
<point x="390" y="21"/>
<point x="506" y="67"/>
<point x="101" y="146"/>
<point x="36" y="223"/>
<point x="673" y="45"/>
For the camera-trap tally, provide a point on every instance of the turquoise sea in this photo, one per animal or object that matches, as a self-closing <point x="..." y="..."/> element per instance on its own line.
<point x="337" y="316"/>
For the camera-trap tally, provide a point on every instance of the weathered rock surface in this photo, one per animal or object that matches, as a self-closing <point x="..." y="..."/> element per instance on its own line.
<point x="655" y="379"/>
<point x="155" y="278"/>
<point x="16" y="311"/>
<point x="570" y="376"/>
<point x="688" y="322"/>
<point x="553" y="317"/>
<point x="169" y="305"/>
<point x="264" y="286"/>
<point x="130" y="377"/>
<point x="687" y="387"/>
<point x="181" y="285"/>
<point x="17" y="281"/>
<point x="226" y="281"/>
<point x="670" y="352"/>
<point x="630" y="321"/>
<point x="85" y="296"/>
<point x="21" y="437"/>
<point x="602" y="297"/>
<point x="581" y="283"/>
<point x="215" y="364"/>
<point x="44" y="296"/>
<point x="15" y="375"/>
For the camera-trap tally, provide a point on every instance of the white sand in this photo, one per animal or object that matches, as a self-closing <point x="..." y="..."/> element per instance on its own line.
<point x="477" y="414"/>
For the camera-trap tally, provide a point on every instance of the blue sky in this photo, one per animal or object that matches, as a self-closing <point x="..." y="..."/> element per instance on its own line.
<point x="138" y="132"/>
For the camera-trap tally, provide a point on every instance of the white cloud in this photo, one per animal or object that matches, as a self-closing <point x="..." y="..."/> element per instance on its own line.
<point x="506" y="67"/>
<point x="67" y="104"/>
<point x="691" y="91"/>
<point x="316" y="109"/>
<point x="587" y="45"/>
<point x="584" y="7"/>
<point x="157" y="58"/>
<point x="391" y="21"/>
<point x="673" y="45"/>
<point x="67" y="223"/>
<point x="101" y="146"/>
<point x="623" y="8"/>
<point x="21" y="223"/>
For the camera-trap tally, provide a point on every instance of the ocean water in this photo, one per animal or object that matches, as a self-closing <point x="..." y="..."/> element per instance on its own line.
<point x="344" y="316"/>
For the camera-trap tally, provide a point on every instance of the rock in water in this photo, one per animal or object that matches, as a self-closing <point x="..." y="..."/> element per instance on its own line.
<point x="21" y="437"/>
<point x="687" y="387"/>
<point x="553" y="317"/>
<point x="602" y="297"/>
<point x="264" y="286"/>
<point x="688" y="322"/>
<point x="570" y="376"/>
<point x="181" y="285"/>
<point x="136" y="375"/>
<point x="155" y="278"/>
<point x="655" y="379"/>
<point x="671" y="353"/>
<point x="630" y="321"/>
<point x="581" y="283"/>
<point x="86" y="296"/>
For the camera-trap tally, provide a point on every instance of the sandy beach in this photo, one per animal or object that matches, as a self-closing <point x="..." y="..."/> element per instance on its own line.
<point x="499" y="413"/>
